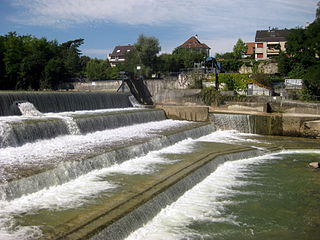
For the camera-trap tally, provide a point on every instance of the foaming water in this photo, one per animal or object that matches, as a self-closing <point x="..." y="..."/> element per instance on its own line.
<point x="33" y="125"/>
<point x="199" y="203"/>
<point x="230" y="136"/>
<point x="79" y="191"/>
<point x="64" y="146"/>
<point x="28" y="109"/>
<point x="204" y="211"/>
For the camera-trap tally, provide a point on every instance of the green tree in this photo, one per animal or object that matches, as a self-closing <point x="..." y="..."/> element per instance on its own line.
<point x="312" y="79"/>
<point x="98" y="69"/>
<point x="15" y="51"/>
<point x="27" y="62"/>
<point x="185" y="57"/>
<point x="148" y="48"/>
<point x="70" y="55"/>
<point x="53" y="74"/>
<point x="239" y="49"/>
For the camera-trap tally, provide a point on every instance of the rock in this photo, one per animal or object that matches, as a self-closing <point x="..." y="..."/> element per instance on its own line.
<point x="314" y="165"/>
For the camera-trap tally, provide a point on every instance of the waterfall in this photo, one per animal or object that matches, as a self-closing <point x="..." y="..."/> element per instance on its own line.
<point x="68" y="170"/>
<point x="142" y="214"/>
<point x="240" y="122"/>
<point x="27" y="109"/>
<point x="6" y="138"/>
<point x="134" y="102"/>
<point x="102" y="121"/>
<point x="62" y="101"/>
<point x="22" y="132"/>
<point x="36" y="126"/>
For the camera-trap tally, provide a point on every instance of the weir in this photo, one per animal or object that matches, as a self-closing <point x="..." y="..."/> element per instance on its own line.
<point x="62" y="101"/>
<point x="105" y="171"/>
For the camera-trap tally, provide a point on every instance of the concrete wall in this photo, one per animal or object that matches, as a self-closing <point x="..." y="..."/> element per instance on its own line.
<point x="198" y="114"/>
<point x="111" y="85"/>
<point x="163" y="91"/>
<point x="171" y="92"/>
<point x="283" y="124"/>
<point x="269" y="104"/>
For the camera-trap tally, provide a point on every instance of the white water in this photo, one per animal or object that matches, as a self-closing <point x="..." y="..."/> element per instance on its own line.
<point x="77" y="192"/>
<point x="83" y="189"/>
<point x="28" y="109"/>
<point x="29" y="112"/>
<point x="54" y="150"/>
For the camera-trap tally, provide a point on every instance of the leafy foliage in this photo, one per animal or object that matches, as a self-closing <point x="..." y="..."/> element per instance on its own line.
<point x="234" y="81"/>
<point x="210" y="96"/>
<point x="302" y="55"/>
<point x="31" y="63"/>
<point x="312" y="79"/>
<point x="239" y="49"/>
<point x="98" y="69"/>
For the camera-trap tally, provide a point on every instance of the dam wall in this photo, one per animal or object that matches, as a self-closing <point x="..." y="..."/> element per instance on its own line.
<point x="62" y="101"/>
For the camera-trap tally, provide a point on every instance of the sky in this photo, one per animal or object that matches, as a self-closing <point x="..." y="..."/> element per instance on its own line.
<point x="104" y="24"/>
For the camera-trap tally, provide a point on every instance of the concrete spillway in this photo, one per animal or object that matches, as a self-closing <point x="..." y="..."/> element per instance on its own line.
<point x="102" y="174"/>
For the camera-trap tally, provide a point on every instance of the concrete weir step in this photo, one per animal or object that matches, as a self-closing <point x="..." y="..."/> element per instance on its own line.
<point x="142" y="197"/>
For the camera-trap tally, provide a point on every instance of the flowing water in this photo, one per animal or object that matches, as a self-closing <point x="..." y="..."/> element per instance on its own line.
<point x="58" y="167"/>
<point x="275" y="196"/>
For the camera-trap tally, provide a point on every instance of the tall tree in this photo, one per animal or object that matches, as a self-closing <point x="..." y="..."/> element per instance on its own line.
<point x="98" y="69"/>
<point x="239" y="49"/>
<point x="148" y="48"/>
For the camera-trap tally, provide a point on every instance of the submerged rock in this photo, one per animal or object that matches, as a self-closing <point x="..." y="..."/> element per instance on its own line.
<point x="314" y="164"/>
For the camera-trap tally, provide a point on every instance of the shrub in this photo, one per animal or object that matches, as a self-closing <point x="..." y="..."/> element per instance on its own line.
<point x="234" y="81"/>
<point x="210" y="96"/>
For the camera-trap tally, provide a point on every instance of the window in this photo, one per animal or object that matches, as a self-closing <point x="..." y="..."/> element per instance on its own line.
<point x="118" y="50"/>
<point x="259" y="45"/>
<point x="259" y="55"/>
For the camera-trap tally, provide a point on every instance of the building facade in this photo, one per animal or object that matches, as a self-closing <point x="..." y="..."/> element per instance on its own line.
<point x="269" y="43"/>
<point x="119" y="54"/>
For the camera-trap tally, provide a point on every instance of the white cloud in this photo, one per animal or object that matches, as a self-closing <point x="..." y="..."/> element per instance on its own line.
<point x="213" y="14"/>
<point x="222" y="22"/>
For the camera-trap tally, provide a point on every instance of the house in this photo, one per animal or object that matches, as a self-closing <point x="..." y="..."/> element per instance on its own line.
<point x="119" y="54"/>
<point x="258" y="89"/>
<point x="293" y="84"/>
<point x="194" y="44"/>
<point x="269" y="43"/>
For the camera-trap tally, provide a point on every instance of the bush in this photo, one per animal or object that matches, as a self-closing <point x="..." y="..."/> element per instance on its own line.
<point x="234" y="81"/>
<point x="210" y="96"/>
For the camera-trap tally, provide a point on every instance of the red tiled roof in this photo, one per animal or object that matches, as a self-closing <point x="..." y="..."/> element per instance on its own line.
<point x="193" y="42"/>
<point x="121" y="50"/>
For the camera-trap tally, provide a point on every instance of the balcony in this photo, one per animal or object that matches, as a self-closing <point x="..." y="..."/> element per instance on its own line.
<point x="273" y="51"/>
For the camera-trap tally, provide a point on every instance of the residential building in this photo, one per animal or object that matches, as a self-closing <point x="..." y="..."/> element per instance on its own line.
<point x="269" y="43"/>
<point x="250" y="49"/>
<point x="194" y="43"/>
<point x="119" y="54"/>
<point x="258" y="89"/>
